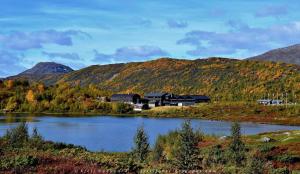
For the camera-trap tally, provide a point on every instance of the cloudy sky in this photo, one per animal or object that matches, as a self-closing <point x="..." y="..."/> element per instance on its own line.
<point x="79" y="33"/>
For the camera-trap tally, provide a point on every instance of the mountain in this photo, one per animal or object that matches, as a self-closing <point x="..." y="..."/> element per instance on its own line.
<point x="289" y="54"/>
<point x="219" y="77"/>
<point x="47" y="68"/>
<point x="46" y="72"/>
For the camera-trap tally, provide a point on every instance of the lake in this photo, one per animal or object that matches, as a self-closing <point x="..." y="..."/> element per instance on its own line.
<point x="116" y="134"/>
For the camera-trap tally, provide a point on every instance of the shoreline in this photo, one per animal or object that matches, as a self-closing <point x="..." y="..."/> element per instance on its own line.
<point x="288" y="121"/>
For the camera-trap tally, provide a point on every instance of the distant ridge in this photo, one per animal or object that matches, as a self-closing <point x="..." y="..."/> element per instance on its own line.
<point x="290" y="54"/>
<point x="47" y="68"/>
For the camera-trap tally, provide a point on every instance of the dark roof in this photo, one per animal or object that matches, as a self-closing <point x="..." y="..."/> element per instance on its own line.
<point x="182" y="97"/>
<point x="124" y="96"/>
<point x="156" y="94"/>
<point x="200" y="97"/>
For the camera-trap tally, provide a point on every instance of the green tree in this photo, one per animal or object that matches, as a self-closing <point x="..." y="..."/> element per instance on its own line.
<point x="141" y="149"/>
<point x="188" y="152"/>
<point x="216" y="155"/>
<point x="18" y="136"/>
<point x="236" y="147"/>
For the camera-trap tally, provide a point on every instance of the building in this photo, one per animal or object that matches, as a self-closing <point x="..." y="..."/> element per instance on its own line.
<point x="270" y="102"/>
<point x="158" y="99"/>
<point x="139" y="107"/>
<point x="277" y="102"/>
<point x="188" y="100"/>
<point x="168" y="99"/>
<point x="264" y="101"/>
<point x="126" y="98"/>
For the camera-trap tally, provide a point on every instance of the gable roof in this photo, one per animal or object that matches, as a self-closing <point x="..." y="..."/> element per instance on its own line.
<point x="200" y="97"/>
<point x="156" y="94"/>
<point x="124" y="96"/>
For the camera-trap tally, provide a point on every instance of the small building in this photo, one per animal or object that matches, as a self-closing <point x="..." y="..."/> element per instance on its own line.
<point x="139" y="107"/>
<point x="158" y="99"/>
<point x="264" y="101"/>
<point x="277" y="102"/>
<point x="270" y="102"/>
<point x="126" y="98"/>
<point x="200" y="98"/>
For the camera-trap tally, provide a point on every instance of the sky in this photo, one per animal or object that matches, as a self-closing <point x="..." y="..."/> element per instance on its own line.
<point x="79" y="33"/>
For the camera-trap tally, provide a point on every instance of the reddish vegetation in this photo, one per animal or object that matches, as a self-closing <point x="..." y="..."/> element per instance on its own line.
<point x="291" y="148"/>
<point x="58" y="165"/>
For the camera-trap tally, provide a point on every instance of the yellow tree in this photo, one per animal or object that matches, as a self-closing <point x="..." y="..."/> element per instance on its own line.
<point x="30" y="97"/>
<point x="10" y="84"/>
<point x="41" y="88"/>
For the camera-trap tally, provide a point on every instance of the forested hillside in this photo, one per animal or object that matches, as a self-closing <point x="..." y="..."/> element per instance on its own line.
<point x="223" y="79"/>
<point x="220" y="78"/>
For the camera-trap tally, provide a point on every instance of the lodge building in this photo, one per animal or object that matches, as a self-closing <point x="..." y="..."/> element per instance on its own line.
<point x="155" y="99"/>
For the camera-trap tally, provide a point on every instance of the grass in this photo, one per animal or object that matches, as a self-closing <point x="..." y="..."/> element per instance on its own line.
<point x="232" y="111"/>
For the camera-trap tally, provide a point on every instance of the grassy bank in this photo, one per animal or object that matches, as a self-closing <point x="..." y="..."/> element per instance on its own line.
<point x="232" y="111"/>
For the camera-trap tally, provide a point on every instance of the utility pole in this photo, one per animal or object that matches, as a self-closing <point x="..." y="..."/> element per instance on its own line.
<point x="286" y="97"/>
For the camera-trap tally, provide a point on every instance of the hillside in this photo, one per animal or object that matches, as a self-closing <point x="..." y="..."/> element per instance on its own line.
<point x="218" y="77"/>
<point x="289" y="54"/>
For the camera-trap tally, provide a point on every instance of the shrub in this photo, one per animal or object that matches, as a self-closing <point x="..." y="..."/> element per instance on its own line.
<point x="255" y="166"/>
<point x="216" y="155"/>
<point x="127" y="165"/>
<point x="264" y="148"/>
<point x="157" y="153"/>
<point x="18" y="162"/>
<point x="121" y="108"/>
<point x="18" y="136"/>
<point x="280" y="171"/>
<point x="287" y="158"/>
<point x="36" y="140"/>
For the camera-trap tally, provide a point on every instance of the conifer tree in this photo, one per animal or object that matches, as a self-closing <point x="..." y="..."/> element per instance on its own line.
<point x="141" y="149"/>
<point x="187" y="156"/>
<point x="236" y="147"/>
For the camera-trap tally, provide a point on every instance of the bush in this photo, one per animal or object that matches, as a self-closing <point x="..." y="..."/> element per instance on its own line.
<point x="59" y="146"/>
<point x="264" y="148"/>
<point x="36" y="140"/>
<point x="18" y="162"/>
<point x="18" y="136"/>
<point x="121" y="108"/>
<point x="216" y="155"/>
<point x="280" y="171"/>
<point x="157" y="153"/>
<point x="287" y="158"/>
<point x="255" y="166"/>
<point x="127" y="165"/>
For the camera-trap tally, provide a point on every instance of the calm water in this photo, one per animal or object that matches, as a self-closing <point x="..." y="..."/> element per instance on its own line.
<point x="116" y="133"/>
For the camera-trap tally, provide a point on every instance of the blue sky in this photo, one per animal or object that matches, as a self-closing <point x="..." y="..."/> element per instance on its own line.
<point x="79" y="33"/>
